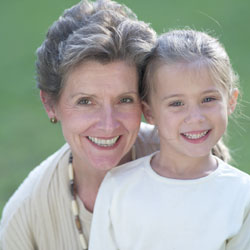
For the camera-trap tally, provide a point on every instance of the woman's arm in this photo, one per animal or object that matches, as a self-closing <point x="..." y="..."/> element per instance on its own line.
<point x="15" y="233"/>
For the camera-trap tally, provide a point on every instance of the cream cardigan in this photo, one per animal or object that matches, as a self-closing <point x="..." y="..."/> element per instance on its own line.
<point x="38" y="215"/>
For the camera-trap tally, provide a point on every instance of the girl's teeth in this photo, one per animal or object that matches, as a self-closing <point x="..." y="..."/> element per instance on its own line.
<point x="195" y="136"/>
<point x="103" y="142"/>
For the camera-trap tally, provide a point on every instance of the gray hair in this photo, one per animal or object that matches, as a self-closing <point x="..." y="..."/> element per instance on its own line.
<point x="104" y="31"/>
<point x="191" y="47"/>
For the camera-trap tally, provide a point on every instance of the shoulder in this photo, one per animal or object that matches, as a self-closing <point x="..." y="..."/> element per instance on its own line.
<point x="20" y="202"/>
<point x="147" y="140"/>
<point x="147" y="132"/>
<point x="234" y="174"/>
<point x="238" y="183"/>
<point x="235" y="182"/>
<point x="130" y="169"/>
<point x="122" y="178"/>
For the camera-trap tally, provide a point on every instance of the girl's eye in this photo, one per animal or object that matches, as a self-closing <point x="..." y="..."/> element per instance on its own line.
<point x="176" y="104"/>
<point x="84" y="101"/>
<point x="208" y="99"/>
<point x="126" y="100"/>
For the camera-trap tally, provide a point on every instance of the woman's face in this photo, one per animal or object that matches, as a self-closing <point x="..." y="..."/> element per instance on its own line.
<point x="100" y="112"/>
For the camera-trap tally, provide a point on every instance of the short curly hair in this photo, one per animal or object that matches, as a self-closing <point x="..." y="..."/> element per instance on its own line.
<point x="104" y="31"/>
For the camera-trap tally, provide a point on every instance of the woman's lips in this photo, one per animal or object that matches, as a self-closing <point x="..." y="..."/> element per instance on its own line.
<point x="101" y="142"/>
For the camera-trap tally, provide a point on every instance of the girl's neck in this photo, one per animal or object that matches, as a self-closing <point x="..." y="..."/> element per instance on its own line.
<point x="184" y="168"/>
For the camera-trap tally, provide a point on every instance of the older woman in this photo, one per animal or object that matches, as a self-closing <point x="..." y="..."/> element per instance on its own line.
<point x="88" y="71"/>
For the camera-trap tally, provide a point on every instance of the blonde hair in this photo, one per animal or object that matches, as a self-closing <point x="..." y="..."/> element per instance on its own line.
<point x="190" y="46"/>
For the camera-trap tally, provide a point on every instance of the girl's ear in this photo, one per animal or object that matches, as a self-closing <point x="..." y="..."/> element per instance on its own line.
<point x="47" y="104"/>
<point x="147" y="112"/>
<point x="233" y="100"/>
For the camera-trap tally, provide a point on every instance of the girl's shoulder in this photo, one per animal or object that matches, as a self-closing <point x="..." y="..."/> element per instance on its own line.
<point x="233" y="174"/>
<point x="130" y="170"/>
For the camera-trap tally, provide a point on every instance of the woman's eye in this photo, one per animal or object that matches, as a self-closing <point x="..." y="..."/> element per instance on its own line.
<point x="208" y="99"/>
<point x="84" y="101"/>
<point x="176" y="104"/>
<point x="126" y="100"/>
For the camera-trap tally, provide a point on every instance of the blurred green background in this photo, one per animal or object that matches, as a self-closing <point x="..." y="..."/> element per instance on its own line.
<point x="26" y="135"/>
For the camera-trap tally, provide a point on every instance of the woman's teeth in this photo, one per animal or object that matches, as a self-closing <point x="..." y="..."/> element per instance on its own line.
<point x="103" y="142"/>
<point x="195" y="136"/>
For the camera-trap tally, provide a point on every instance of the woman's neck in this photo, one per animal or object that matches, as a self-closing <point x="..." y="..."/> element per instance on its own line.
<point x="88" y="181"/>
<point x="130" y="156"/>
<point x="184" y="168"/>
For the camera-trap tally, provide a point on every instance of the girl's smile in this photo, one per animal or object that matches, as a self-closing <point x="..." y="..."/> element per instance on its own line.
<point x="189" y="110"/>
<point x="196" y="136"/>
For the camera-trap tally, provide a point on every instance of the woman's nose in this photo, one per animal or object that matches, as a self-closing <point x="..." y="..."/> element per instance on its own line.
<point x="108" y="120"/>
<point x="194" y="115"/>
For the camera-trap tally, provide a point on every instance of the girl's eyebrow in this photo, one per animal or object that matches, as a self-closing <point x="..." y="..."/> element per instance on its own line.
<point x="172" y="96"/>
<point x="215" y="91"/>
<point x="209" y="91"/>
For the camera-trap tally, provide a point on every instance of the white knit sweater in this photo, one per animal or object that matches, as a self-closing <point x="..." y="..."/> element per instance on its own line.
<point x="38" y="215"/>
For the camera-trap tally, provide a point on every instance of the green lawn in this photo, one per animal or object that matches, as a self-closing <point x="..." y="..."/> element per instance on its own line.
<point x="27" y="137"/>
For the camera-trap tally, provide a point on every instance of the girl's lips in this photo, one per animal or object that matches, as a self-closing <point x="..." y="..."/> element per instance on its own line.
<point x="196" y="136"/>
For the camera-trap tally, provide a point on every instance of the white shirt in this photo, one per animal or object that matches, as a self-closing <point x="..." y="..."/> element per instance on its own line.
<point x="137" y="209"/>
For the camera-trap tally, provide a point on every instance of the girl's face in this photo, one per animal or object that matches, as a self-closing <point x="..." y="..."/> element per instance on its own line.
<point x="100" y="112"/>
<point x="190" y="111"/>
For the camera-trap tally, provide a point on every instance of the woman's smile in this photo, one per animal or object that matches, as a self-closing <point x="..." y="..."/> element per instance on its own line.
<point x="100" y="112"/>
<point x="102" y="142"/>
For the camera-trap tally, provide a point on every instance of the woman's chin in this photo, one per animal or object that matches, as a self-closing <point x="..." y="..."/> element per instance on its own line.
<point x="105" y="164"/>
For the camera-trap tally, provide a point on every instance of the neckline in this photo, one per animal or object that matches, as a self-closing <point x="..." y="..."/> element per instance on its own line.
<point x="148" y="168"/>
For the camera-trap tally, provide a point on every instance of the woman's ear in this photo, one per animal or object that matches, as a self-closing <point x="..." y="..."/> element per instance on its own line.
<point x="147" y="112"/>
<point x="49" y="107"/>
<point x="233" y="100"/>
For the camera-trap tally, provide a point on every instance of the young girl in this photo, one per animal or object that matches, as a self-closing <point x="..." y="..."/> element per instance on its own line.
<point x="181" y="197"/>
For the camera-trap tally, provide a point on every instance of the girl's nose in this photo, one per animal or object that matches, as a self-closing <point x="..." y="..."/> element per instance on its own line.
<point x="194" y="115"/>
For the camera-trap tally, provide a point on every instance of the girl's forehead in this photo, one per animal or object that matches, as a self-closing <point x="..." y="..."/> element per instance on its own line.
<point x="184" y="77"/>
<point x="182" y="72"/>
<point x="192" y="68"/>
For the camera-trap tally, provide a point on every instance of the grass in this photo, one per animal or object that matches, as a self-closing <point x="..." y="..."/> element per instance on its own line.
<point x="27" y="137"/>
